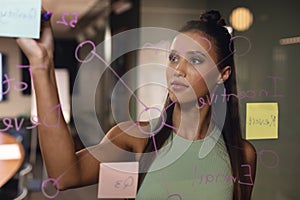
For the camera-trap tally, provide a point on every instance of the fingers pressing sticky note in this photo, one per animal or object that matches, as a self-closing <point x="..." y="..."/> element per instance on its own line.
<point x="262" y="121"/>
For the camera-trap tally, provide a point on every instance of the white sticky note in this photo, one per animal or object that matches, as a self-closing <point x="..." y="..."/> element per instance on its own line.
<point x="20" y="18"/>
<point x="9" y="152"/>
<point x="118" y="180"/>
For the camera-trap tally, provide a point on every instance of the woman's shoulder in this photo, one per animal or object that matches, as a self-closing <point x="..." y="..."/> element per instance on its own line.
<point x="250" y="157"/>
<point x="129" y="135"/>
<point x="249" y="152"/>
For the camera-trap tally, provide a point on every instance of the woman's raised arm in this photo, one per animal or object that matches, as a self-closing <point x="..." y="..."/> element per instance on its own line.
<point x="70" y="168"/>
<point x="61" y="160"/>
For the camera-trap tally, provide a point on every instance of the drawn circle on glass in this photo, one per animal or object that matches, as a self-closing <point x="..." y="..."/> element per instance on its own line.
<point x="174" y="196"/>
<point x="208" y="42"/>
<point x="80" y="46"/>
<point x="273" y="154"/>
<point x="152" y="132"/>
<point x="158" y="111"/>
<point x="44" y="183"/>
<point x="249" y="46"/>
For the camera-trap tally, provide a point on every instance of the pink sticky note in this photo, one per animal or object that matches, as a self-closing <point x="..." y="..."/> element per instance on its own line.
<point x="118" y="180"/>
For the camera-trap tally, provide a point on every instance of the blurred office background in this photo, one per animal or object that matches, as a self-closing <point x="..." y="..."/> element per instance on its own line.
<point x="271" y="50"/>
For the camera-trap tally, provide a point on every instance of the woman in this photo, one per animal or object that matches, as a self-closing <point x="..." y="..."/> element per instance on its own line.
<point x="188" y="75"/>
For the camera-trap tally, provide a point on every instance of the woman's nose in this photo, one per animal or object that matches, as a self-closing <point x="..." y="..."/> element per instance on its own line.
<point x="180" y="69"/>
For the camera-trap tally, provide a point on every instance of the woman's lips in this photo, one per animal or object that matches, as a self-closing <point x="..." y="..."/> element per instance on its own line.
<point x="177" y="85"/>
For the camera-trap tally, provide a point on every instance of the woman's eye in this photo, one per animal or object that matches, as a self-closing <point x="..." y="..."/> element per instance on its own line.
<point x="173" y="58"/>
<point x="195" y="61"/>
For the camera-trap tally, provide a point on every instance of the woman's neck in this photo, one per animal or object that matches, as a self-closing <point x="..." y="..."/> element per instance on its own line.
<point x="190" y="122"/>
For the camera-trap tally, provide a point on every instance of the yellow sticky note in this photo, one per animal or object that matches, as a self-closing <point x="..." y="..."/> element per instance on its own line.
<point x="262" y="121"/>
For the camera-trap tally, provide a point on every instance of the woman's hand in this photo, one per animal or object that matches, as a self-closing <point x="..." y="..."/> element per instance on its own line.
<point x="39" y="52"/>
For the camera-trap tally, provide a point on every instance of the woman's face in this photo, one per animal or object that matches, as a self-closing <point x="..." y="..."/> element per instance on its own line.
<point x="191" y="68"/>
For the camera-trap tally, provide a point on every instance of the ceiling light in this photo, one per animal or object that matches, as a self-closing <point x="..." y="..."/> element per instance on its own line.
<point x="292" y="40"/>
<point x="241" y="19"/>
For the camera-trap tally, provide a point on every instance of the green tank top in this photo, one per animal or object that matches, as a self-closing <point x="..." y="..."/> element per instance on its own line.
<point x="179" y="174"/>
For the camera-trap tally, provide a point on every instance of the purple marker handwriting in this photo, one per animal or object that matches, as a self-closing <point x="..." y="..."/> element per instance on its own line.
<point x="72" y="23"/>
<point x="247" y="175"/>
<point x="17" y="86"/>
<point x="275" y="79"/>
<point x="244" y="94"/>
<point x="10" y="82"/>
<point x="16" y="123"/>
<point x="215" y="178"/>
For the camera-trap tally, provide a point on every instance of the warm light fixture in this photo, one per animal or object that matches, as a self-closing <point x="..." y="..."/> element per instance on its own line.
<point x="291" y="40"/>
<point x="241" y="19"/>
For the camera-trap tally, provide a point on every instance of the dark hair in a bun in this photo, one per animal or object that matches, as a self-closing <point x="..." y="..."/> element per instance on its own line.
<point x="213" y="17"/>
<point x="211" y="25"/>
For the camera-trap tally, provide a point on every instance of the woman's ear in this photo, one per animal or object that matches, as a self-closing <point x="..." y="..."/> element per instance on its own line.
<point x="224" y="74"/>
